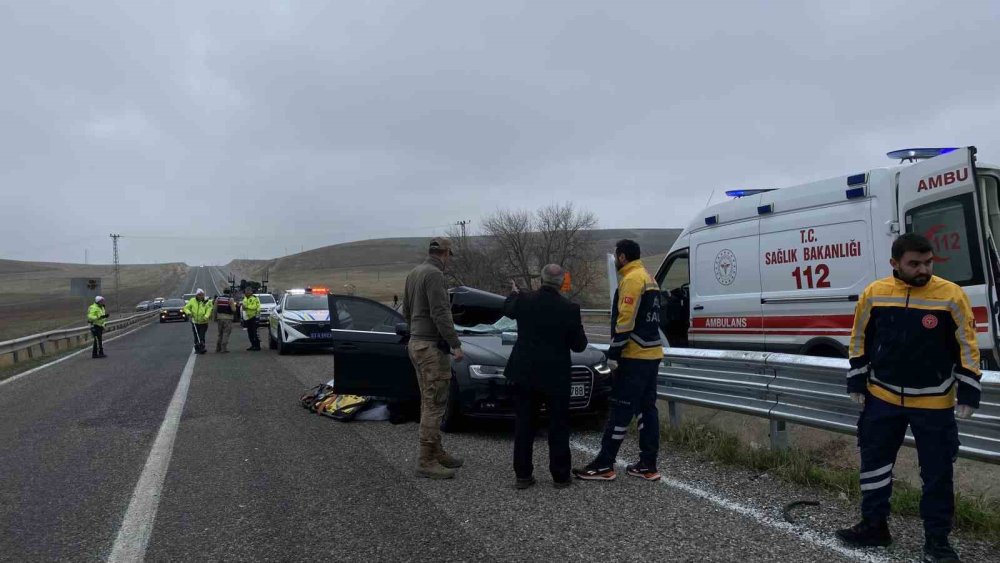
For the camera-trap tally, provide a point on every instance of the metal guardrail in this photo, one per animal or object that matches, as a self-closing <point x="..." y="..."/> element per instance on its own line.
<point x="806" y="390"/>
<point x="20" y="349"/>
<point x="606" y="312"/>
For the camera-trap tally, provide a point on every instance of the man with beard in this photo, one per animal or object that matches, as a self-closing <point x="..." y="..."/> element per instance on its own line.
<point x="912" y="353"/>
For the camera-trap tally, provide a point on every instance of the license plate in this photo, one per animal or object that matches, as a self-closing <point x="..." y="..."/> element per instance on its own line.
<point x="322" y="335"/>
<point x="577" y="391"/>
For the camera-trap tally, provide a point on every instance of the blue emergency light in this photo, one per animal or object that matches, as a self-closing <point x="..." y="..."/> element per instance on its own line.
<point x="857" y="179"/>
<point x="744" y="193"/>
<point x="712" y="220"/>
<point x="919" y="153"/>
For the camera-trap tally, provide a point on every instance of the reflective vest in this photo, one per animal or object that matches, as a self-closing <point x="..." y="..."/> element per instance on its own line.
<point x="199" y="311"/>
<point x="95" y="315"/>
<point x="251" y="306"/>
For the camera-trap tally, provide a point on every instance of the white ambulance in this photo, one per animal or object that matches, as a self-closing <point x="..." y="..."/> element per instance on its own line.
<point x="781" y="270"/>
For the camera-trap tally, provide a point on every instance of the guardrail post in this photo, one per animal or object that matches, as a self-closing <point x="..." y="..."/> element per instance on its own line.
<point x="674" y="410"/>
<point x="779" y="435"/>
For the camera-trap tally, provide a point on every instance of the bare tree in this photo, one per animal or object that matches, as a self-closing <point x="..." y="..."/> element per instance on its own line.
<point x="512" y="233"/>
<point x="563" y="238"/>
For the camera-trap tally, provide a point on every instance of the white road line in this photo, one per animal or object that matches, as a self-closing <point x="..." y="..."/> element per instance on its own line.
<point x="757" y="515"/>
<point x="137" y="527"/>
<point x="66" y="357"/>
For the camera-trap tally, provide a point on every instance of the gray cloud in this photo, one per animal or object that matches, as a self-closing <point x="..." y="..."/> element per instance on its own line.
<point x="245" y="129"/>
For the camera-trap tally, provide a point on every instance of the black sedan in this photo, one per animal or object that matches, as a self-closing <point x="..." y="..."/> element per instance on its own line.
<point x="370" y="358"/>
<point x="172" y="310"/>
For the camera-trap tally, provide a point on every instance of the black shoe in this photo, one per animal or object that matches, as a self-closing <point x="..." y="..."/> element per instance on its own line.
<point x="591" y="472"/>
<point x="256" y="348"/>
<point x="938" y="550"/>
<point x="524" y="483"/>
<point x="562" y="484"/>
<point x="867" y="533"/>
<point x="250" y="349"/>
<point x="94" y="356"/>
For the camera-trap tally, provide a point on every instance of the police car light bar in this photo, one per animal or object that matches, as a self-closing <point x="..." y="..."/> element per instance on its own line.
<point x="916" y="154"/>
<point x="296" y="292"/>
<point x="744" y="193"/>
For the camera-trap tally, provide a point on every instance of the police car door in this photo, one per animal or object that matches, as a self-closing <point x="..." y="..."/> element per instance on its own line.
<point x="943" y="199"/>
<point x="370" y="358"/>
<point x="725" y="279"/>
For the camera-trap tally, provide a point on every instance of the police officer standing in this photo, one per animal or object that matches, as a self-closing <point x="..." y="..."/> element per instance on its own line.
<point x="251" y="310"/>
<point x="637" y="350"/>
<point x="199" y="310"/>
<point x="96" y="317"/>
<point x="913" y="351"/>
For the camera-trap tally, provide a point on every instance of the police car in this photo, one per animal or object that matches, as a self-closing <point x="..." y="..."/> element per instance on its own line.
<point x="781" y="270"/>
<point x="301" y="319"/>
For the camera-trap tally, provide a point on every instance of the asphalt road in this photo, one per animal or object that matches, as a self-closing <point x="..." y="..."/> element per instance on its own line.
<point x="252" y="476"/>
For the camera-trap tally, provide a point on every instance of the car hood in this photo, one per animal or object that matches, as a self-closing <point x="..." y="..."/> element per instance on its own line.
<point x="318" y="315"/>
<point x="490" y="350"/>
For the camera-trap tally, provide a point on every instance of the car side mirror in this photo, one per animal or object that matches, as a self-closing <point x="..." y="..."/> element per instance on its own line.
<point x="402" y="329"/>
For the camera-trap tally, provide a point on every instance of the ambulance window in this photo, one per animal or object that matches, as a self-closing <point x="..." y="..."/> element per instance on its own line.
<point x="675" y="274"/>
<point x="950" y="226"/>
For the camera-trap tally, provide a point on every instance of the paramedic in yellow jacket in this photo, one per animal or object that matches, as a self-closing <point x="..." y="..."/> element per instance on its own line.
<point x="199" y="310"/>
<point x="912" y="353"/>
<point x="637" y="349"/>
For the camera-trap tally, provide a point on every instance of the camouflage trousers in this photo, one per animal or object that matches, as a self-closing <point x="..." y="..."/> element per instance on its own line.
<point x="433" y="369"/>
<point x="225" y="329"/>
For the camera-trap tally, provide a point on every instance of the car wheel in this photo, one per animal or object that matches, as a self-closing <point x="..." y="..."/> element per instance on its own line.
<point x="270" y="339"/>
<point x="452" y="420"/>
<point x="283" y="348"/>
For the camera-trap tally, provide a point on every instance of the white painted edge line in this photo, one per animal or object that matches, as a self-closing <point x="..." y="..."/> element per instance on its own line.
<point x="137" y="526"/>
<point x="757" y="515"/>
<point x="14" y="378"/>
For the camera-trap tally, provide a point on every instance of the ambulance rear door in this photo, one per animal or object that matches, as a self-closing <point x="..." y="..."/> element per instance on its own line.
<point x="943" y="199"/>
<point x="725" y="279"/>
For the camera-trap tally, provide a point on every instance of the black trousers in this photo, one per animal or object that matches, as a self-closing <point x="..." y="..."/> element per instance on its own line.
<point x="200" y="331"/>
<point x="527" y="400"/>
<point x="251" y="325"/>
<point x="98" y="333"/>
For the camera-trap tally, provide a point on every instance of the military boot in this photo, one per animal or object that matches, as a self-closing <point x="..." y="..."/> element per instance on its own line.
<point x="429" y="467"/>
<point x="448" y="460"/>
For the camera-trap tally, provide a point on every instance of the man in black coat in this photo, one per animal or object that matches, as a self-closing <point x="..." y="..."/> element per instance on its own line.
<point x="548" y="327"/>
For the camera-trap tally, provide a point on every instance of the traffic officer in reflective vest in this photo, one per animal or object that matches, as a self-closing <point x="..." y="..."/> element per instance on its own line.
<point x="96" y="316"/>
<point x="251" y="309"/>
<point x="913" y="351"/>
<point x="199" y="310"/>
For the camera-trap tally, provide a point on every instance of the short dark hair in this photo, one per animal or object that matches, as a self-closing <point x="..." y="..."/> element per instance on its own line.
<point x="629" y="248"/>
<point x="910" y="242"/>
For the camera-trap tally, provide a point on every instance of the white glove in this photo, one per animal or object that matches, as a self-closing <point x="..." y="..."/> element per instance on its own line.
<point x="964" y="411"/>
<point x="858" y="398"/>
<point x="613" y="365"/>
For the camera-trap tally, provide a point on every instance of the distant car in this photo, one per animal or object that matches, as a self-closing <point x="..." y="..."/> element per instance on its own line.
<point x="157" y="303"/>
<point x="369" y="348"/>
<point x="302" y="319"/>
<point x="267" y="307"/>
<point x="172" y="310"/>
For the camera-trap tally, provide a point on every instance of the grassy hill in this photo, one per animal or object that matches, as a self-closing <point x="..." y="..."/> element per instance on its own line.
<point x="376" y="268"/>
<point x="34" y="296"/>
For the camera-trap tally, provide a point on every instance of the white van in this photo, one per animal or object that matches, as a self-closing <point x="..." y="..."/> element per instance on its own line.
<point x="780" y="270"/>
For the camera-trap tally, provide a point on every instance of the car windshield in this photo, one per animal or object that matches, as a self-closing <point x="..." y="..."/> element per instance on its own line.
<point x="306" y="303"/>
<point x="173" y="303"/>
<point x="266" y="299"/>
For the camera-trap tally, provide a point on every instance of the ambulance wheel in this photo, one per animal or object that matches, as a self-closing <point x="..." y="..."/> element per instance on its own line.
<point x="452" y="420"/>
<point x="270" y="340"/>
<point x="825" y="351"/>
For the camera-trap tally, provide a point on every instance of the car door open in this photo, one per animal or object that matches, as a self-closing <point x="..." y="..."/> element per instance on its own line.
<point x="370" y="358"/>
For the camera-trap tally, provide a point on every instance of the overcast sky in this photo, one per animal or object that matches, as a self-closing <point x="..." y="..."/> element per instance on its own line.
<point x="205" y="131"/>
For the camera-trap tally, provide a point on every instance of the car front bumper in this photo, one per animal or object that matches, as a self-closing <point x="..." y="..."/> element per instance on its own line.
<point x="494" y="398"/>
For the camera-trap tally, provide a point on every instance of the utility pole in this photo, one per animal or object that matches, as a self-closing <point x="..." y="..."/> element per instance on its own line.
<point x="118" y="295"/>
<point x="86" y="257"/>
<point x="463" y="224"/>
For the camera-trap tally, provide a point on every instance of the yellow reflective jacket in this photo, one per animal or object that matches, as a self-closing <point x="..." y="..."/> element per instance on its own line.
<point x="912" y="346"/>
<point x="635" y="316"/>
<point x="95" y="315"/>
<point x="251" y="306"/>
<point x="200" y="312"/>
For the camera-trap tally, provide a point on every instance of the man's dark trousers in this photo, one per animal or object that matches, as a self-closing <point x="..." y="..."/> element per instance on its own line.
<point x="251" y="325"/>
<point x="200" y="331"/>
<point x="98" y="334"/>
<point x="527" y="400"/>
<point x="633" y="393"/>
<point x="881" y="429"/>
